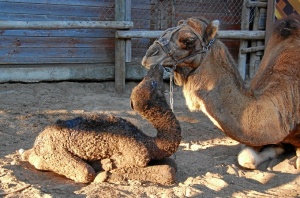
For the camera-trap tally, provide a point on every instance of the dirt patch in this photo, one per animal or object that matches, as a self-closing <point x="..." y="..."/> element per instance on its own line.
<point x="206" y="159"/>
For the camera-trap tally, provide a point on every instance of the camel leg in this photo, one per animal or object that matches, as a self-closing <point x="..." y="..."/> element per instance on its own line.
<point x="160" y="174"/>
<point x="137" y="158"/>
<point x="61" y="162"/>
<point x="251" y="157"/>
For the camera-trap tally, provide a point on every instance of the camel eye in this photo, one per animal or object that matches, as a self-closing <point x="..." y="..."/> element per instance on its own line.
<point x="155" y="53"/>
<point x="189" y="43"/>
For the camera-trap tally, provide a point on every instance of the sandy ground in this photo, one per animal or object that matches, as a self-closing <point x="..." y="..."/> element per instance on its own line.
<point x="206" y="159"/>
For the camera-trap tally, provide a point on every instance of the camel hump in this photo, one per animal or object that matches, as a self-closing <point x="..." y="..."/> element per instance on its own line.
<point x="73" y="123"/>
<point x="288" y="26"/>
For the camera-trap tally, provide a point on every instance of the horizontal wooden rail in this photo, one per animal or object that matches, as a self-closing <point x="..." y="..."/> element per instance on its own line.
<point x="228" y="34"/>
<point x="48" y="25"/>
<point x="252" y="49"/>
<point x="257" y="4"/>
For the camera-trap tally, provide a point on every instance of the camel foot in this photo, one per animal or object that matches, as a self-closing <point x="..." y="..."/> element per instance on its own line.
<point x="297" y="164"/>
<point x="247" y="158"/>
<point x="101" y="177"/>
<point x="160" y="174"/>
<point x="250" y="157"/>
<point x="298" y="158"/>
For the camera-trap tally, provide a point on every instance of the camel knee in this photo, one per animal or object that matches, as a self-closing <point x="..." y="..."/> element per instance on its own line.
<point x="107" y="164"/>
<point x="73" y="168"/>
<point x="138" y="159"/>
<point x="85" y="174"/>
<point x="35" y="160"/>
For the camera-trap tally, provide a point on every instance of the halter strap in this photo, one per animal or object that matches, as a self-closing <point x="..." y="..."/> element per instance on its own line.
<point x="164" y="41"/>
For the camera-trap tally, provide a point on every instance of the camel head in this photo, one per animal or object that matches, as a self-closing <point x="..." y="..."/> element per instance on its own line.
<point x="150" y="90"/>
<point x="184" y="45"/>
<point x="288" y="28"/>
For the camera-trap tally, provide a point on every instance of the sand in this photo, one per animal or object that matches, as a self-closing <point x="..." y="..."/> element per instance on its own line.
<point x="206" y="159"/>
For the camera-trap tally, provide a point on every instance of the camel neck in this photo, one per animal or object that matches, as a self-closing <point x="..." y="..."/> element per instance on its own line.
<point x="220" y="94"/>
<point x="168" y="131"/>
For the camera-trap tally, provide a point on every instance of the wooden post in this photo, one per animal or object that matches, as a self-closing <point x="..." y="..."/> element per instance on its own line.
<point x="270" y="18"/>
<point x="253" y="58"/>
<point x="244" y="43"/>
<point x="122" y="13"/>
<point x="260" y="43"/>
<point x="128" y="41"/>
<point x="173" y="22"/>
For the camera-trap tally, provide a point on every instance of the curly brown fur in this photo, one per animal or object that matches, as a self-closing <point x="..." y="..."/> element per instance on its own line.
<point x="67" y="146"/>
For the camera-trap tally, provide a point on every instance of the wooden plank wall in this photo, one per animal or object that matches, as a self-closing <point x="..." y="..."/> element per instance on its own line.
<point x="53" y="46"/>
<point x="87" y="53"/>
<point x="28" y="48"/>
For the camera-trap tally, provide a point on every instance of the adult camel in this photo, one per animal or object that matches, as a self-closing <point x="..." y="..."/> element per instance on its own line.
<point x="264" y="116"/>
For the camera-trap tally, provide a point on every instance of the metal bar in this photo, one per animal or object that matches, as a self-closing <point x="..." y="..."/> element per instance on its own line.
<point x="256" y="4"/>
<point x="252" y="49"/>
<point x="242" y="58"/>
<point x="228" y="34"/>
<point x="48" y="25"/>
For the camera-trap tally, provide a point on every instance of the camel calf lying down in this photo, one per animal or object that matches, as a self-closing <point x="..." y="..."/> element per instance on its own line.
<point x="124" y="150"/>
<point x="268" y="113"/>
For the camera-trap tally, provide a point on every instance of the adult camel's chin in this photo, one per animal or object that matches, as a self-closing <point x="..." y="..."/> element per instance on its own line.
<point x="268" y="113"/>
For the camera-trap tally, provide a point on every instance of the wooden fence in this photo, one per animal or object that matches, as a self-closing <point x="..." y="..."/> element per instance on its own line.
<point x="252" y="42"/>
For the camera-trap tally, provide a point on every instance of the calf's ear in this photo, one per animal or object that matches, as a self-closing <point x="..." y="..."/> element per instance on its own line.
<point x="211" y="30"/>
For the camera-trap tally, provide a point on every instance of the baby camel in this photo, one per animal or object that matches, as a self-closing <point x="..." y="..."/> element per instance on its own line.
<point x="123" y="149"/>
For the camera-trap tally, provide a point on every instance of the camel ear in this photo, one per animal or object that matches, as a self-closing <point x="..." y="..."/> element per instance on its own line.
<point x="180" y="22"/>
<point x="211" y="30"/>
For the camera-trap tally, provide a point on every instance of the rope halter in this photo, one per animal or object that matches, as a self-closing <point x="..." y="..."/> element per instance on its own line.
<point x="164" y="42"/>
